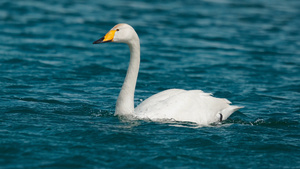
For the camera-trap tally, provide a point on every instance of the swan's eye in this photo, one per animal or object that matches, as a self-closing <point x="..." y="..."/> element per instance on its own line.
<point x="117" y="29"/>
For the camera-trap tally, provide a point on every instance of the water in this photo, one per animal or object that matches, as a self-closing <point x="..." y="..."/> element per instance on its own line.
<point x="58" y="91"/>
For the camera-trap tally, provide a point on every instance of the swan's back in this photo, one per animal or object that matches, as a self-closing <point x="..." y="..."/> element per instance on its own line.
<point x="182" y="105"/>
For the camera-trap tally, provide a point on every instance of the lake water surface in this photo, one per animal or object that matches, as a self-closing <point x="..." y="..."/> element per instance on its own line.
<point x="58" y="90"/>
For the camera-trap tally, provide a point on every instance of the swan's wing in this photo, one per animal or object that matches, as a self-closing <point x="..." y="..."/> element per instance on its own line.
<point x="159" y="97"/>
<point x="181" y="105"/>
<point x="157" y="100"/>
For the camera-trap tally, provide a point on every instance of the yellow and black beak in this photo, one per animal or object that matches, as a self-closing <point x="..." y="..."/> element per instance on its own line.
<point x="107" y="38"/>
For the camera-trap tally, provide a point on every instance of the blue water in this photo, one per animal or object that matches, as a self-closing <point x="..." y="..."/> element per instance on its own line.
<point x="58" y="90"/>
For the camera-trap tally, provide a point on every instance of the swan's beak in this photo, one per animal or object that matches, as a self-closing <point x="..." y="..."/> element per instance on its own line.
<point x="107" y="38"/>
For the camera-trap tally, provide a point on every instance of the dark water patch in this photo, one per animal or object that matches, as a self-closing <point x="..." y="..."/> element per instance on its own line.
<point x="41" y="100"/>
<point x="20" y="109"/>
<point x="27" y="65"/>
<point x="194" y="143"/>
<point x="19" y="86"/>
<point x="94" y="69"/>
<point x="103" y="113"/>
<point x="83" y="110"/>
<point x="292" y="87"/>
<point x="68" y="162"/>
<point x="279" y="147"/>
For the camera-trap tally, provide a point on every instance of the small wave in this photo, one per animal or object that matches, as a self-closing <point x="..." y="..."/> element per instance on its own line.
<point x="269" y="122"/>
<point x="19" y="86"/>
<point x="81" y="110"/>
<point x="93" y="69"/>
<point x="17" y="61"/>
<point x="50" y="101"/>
<point x="275" y="123"/>
<point x="102" y="113"/>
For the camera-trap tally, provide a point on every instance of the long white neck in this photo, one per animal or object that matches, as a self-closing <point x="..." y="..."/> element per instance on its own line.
<point x="125" y="102"/>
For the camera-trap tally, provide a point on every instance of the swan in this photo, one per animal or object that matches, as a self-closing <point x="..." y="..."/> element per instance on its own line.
<point x="173" y="104"/>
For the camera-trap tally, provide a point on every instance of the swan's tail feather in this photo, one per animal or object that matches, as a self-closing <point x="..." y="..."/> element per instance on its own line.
<point x="229" y="110"/>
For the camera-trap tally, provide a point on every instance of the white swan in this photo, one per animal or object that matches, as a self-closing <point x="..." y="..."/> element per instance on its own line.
<point x="173" y="104"/>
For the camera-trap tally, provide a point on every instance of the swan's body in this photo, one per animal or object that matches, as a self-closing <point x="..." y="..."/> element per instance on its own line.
<point x="173" y="104"/>
<point x="182" y="105"/>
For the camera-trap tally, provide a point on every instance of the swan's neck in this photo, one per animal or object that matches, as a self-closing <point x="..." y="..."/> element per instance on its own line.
<point x="125" y="102"/>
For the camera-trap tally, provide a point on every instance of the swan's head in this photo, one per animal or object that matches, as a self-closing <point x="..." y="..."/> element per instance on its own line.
<point x="121" y="33"/>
